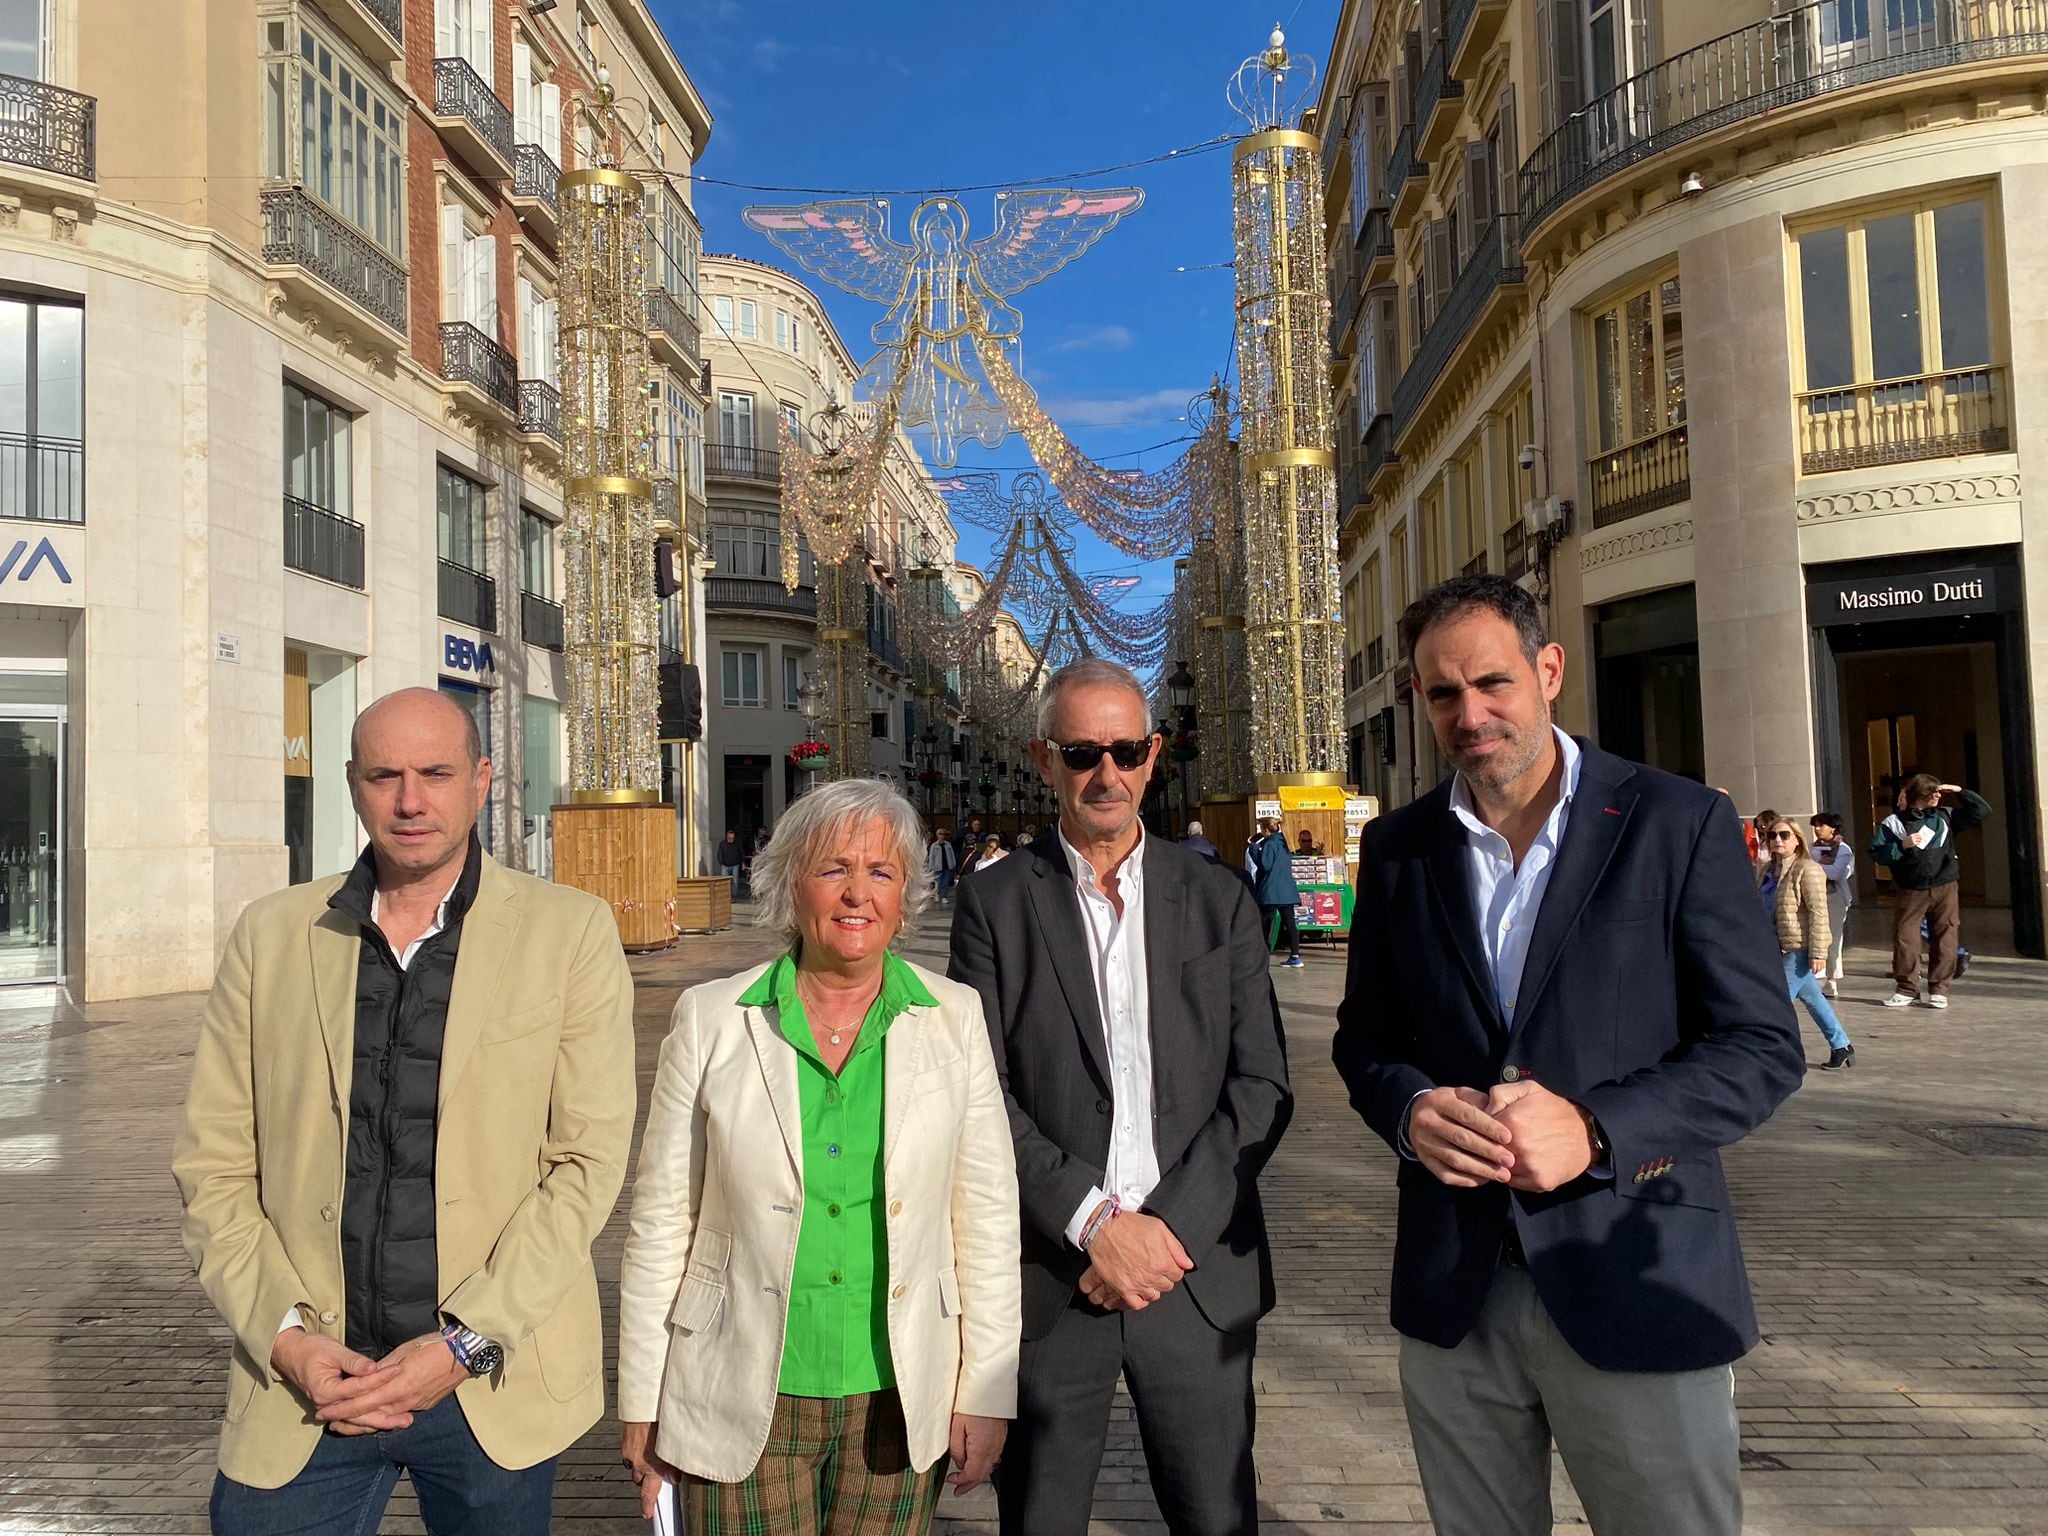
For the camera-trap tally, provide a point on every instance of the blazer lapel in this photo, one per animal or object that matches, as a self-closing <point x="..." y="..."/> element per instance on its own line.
<point x="490" y="935"/>
<point x="778" y="1074"/>
<point x="1164" y="925"/>
<point x="1599" y="815"/>
<point x="1059" y="923"/>
<point x="1450" y="883"/>
<point x="903" y="1051"/>
<point x="337" y="946"/>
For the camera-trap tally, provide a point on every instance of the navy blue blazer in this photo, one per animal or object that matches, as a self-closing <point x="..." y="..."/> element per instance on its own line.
<point x="1654" y="996"/>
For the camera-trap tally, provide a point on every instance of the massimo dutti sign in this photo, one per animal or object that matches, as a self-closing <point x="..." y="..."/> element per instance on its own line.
<point x="1949" y="594"/>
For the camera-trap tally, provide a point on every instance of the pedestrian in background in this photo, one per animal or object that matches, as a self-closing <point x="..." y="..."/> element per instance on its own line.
<point x="1273" y="879"/>
<point x="1757" y="832"/>
<point x="941" y="861"/>
<point x="411" y="1108"/>
<point x="808" y="1327"/>
<point x="1917" y="843"/>
<point x="1837" y="860"/>
<point x="1195" y="842"/>
<point x="1795" y="893"/>
<point x="730" y="857"/>
<point x="1139" y="1047"/>
<point x="1563" y="1000"/>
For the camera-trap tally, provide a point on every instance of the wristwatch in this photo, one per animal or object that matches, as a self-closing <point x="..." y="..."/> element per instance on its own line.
<point x="473" y="1352"/>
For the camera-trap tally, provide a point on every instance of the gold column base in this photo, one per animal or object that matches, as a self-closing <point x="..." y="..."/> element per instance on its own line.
<point x="615" y="797"/>
<point x="1269" y="782"/>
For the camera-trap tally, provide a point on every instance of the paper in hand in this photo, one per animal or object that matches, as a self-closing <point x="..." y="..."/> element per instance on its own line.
<point x="668" y="1511"/>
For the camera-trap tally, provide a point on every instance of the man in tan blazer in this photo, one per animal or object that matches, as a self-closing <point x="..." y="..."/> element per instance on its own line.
<point x="410" y="1113"/>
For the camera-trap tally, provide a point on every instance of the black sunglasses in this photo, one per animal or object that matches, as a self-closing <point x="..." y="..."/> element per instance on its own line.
<point x="1080" y="756"/>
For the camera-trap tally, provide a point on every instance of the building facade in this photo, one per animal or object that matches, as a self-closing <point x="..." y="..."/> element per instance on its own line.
<point x="284" y="433"/>
<point x="775" y="359"/>
<point x="1707" y="330"/>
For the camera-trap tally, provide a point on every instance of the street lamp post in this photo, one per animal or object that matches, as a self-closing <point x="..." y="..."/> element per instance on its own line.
<point x="1180" y="691"/>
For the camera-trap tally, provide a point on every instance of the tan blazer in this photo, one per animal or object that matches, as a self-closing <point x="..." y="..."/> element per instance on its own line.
<point x="535" y="1126"/>
<point x="718" y="1199"/>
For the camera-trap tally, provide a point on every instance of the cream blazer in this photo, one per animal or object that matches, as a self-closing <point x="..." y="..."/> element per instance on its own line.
<point x="718" y="1199"/>
<point x="534" y="1127"/>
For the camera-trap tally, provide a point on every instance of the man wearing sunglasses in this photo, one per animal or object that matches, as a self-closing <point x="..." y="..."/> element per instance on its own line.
<point x="1138" y="1042"/>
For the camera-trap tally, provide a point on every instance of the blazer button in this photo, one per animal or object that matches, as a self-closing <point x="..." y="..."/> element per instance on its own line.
<point x="327" y="1213"/>
<point x="1511" y="1074"/>
<point x="1102" y="1106"/>
<point x="895" y="1207"/>
<point x="899" y="1293"/>
<point x="327" y="1317"/>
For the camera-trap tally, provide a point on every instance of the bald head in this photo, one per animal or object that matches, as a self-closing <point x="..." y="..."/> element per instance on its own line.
<point x="412" y="711"/>
<point x="419" y="778"/>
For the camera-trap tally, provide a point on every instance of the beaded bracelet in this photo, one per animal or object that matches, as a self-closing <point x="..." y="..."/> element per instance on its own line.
<point x="1110" y="1208"/>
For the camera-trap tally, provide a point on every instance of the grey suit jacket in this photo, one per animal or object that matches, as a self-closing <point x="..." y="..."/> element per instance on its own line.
<point x="1220" y="1096"/>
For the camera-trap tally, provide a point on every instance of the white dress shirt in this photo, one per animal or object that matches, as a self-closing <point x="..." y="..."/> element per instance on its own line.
<point x="1116" y="961"/>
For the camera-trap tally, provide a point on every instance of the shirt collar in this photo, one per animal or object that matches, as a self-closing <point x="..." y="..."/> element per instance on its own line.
<point x="1128" y="873"/>
<point x="1574" y="764"/>
<point x="901" y="988"/>
<point x="357" y="896"/>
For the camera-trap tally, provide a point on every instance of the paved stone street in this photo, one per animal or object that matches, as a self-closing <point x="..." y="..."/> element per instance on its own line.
<point x="1896" y="1219"/>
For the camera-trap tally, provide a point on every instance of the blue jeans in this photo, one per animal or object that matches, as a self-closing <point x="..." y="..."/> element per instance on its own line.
<point x="1806" y="989"/>
<point x="344" y="1488"/>
<point x="942" y="884"/>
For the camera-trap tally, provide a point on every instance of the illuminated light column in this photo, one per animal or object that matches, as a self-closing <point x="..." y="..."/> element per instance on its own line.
<point x="1293" y="651"/>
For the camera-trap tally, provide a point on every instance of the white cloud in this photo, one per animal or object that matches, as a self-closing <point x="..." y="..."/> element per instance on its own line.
<point x="768" y="53"/>
<point x="1159" y="407"/>
<point x="1097" y="338"/>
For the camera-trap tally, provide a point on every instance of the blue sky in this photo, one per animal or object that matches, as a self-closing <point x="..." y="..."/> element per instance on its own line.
<point x="898" y="95"/>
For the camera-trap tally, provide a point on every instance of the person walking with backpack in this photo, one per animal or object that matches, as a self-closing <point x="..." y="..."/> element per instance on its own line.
<point x="1917" y="843"/>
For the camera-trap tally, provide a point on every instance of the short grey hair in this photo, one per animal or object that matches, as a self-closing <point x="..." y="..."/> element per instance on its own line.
<point x="810" y="827"/>
<point x="1194" y="829"/>
<point x="1088" y="672"/>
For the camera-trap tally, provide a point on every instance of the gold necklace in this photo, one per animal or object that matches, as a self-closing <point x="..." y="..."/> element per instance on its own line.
<point x="811" y="1007"/>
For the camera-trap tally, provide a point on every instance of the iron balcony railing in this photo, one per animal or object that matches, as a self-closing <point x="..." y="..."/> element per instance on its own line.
<point x="1656" y="472"/>
<point x="1402" y="163"/>
<point x="302" y="232"/>
<point x="885" y="649"/>
<point x="1335" y="129"/>
<point x="540" y="620"/>
<point x="1344" y="308"/>
<point x="1514" y="550"/>
<point x="323" y="543"/>
<point x="459" y="91"/>
<point x="1935" y="416"/>
<point x="42" y="478"/>
<point x="737" y="461"/>
<point x="535" y="175"/>
<point x="1436" y="87"/>
<point x="1476" y="566"/>
<point x="1457" y="23"/>
<point x="1354" y="672"/>
<point x="1375" y="240"/>
<point x="540" y="408"/>
<point x="470" y="357"/>
<point x="1495" y="260"/>
<point x="1375" y="656"/>
<point x="466" y="596"/>
<point x="1803" y="53"/>
<point x="671" y="316"/>
<point x="48" y="128"/>
<point x="668" y="502"/>
<point x="390" y="16"/>
<point x="1379" y="446"/>
<point x="759" y="595"/>
<point x="1349" y="484"/>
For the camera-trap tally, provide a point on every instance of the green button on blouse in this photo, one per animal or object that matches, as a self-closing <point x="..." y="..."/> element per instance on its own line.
<point x="837" y="1344"/>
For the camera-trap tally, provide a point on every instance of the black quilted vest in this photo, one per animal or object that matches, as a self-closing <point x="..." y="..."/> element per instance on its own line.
<point x="389" y="1263"/>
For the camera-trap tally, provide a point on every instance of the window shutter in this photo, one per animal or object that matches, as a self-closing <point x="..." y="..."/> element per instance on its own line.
<point x="1404" y="98"/>
<point x="1479" y="187"/>
<point x="445" y="46"/>
<point x="1466" y="224"/>
<point x="550" y="338"/>
<point x="1445" y="275"/>
<point x="453" y="252"/>
<point x="1432" y="22"/>
<point x="1415" y="320"/>
<point x="484" y="302"/>
<point x="1508" y="157"/>
<point x="529" y="330"/>
<point x="480" y="40"/>
<point x="1567" y="60"/>
<point x="551" y="121"/>
<point x="525" y="120"/>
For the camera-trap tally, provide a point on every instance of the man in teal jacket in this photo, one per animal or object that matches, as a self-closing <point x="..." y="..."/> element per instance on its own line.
<point x="1917" y="843"/>
<point x="1273" y="883"/>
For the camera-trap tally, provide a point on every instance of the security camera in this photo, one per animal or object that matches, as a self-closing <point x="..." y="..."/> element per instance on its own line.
<point x="1693" y="185"/>
<point x="1527" y="457"/>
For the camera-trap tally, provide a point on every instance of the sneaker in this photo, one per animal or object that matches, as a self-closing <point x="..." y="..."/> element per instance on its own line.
<point x="1901" y="1000"/>
<point x="1842" y="1056"/>
<point x="1937" y="1001"/>
<point x="1295" y="962"/>
<point x="1827" y="989"/>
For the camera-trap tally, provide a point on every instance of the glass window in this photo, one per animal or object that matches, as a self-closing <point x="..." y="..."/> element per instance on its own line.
<point x="1896" y="297"/>
<point x="1824" y="305"/>
<point x="741" y="676"/>
<point x="721" y="311"/>
<point x="1638" y="366"/>
<point x="349" y="151"/>
<point x="21" y="38"/>
<point x="536" y="554"/>
<point x="316" y="451"/>
<point x="459" y="505"/>
<point x="750" y="321"/>
<point x="1893" y="273"/>
<point x="1962" y="279"/>
<point x="735" y="419"/>
<point x="792" y="678"/>
<point x="42" y="409"/>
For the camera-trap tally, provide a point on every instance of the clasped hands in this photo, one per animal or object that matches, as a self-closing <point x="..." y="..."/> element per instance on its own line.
<point x="354" y="1395"/>
<point x="1519" y="1134"/>
<point x="1134" y="1260"/>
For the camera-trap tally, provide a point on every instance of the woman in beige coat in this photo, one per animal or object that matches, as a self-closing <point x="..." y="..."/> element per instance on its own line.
<point x="819" y="1299"/>
<point x="1795" y="892"/>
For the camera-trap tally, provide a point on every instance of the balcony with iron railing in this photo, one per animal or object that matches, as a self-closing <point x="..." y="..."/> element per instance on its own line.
<point x="1493" y="266"/>
<point x="48" y="129"/>
<point x="1514" y="550"/>
<point x="1438" y="101"/>
<point x="466" y="596"/>
<point x="1935" y="416"/>
<point x="1407" y="178"/>
<point x="42" y="479"/>
<point x="1476" y="566"/>
<point x="1469" y="31"/>
<point x="540" y="410"/>
<point x="740" y="461"/>
<point x="759" y="594"/>
<point x="478" y="367"/>
<point x="1336" y="139"/>
<point x="541" y="621"/>
<point x="885" y="649"/>
<point x="671" y="332"/>
<point x="1375" y="657"/>
<point x="1641" y="477"/>
<point x="1783" y="61"/>
<point x="323" y="259"/>
<point x="1354" y="672"/>
<point x="1344" y="296"/>
<point x="376" y="27"/>
<point x="536" y="190"/>
<point x="1378" y="455"/>
<point x="323" y="543"/>
<point x="1373" y="256"/>
<point x="473" y="121"/>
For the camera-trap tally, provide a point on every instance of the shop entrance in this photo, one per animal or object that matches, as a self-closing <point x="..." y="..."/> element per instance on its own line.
<point x="1646" y="665"/>
<point x="31" y="847"/>
<point x="746" y="797"/>
<point x="1906" y="686"/>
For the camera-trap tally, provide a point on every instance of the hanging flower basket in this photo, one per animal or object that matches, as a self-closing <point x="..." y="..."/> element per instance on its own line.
<point x="811" y="754"/>
<point x="1187" y="746"/>
<point x="931" y="778"/>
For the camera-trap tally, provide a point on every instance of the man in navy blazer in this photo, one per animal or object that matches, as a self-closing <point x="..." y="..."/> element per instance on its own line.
<point x="1564" y="999"/>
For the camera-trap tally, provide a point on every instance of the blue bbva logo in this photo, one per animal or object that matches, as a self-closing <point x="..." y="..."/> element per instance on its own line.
<point x="463" y="655"/>
<point x="44" y="550"/>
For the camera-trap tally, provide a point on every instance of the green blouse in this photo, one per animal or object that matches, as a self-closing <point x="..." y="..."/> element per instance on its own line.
<point x="837" y="1344"/>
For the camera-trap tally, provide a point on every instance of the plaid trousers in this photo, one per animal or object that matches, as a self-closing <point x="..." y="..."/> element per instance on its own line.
<point x="833" y="1466"/>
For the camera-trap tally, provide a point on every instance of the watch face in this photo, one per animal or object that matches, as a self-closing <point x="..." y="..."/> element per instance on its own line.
<point x="484" y="1359"/>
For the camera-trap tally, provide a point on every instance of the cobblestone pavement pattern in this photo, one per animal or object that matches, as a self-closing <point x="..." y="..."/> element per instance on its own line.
<point x="1896" y="1219"/>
